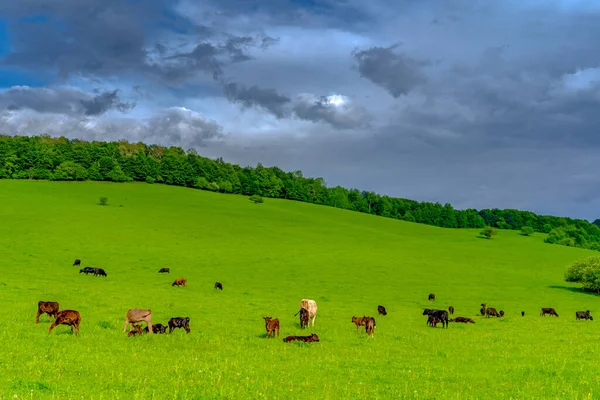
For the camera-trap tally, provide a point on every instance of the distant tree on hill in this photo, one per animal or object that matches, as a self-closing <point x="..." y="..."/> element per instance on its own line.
<point x="587" y="272"/>
<point x="256" y="199"/>
<point x="597" y="222"/>
<point x="526" y="231"/>
<point x="488" y="232"/>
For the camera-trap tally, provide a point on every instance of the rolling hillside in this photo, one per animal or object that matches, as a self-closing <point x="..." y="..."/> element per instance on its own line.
<point x="268" y="257"/>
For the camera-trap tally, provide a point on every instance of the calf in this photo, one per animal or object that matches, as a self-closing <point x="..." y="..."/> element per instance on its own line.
<point x="501" y="313"/>
<point x="550" y="311"/>
<point x="583" y="315"/>
<point x="138" y="315"/>
<point x="442" y="315"/>
<point x="463" y="319"/>
<point x="451" y="310"/>
<point x="67" y="317"/>
<point x="491" y="312"/>
<point x="381" y="310"/>
<point x="272" y="326"/>
<point x="483" y="309"/>
<point x="370" y="326"/>
<point x="48" y="307"/>
<point x="433" y="321"/>
<point x="136" y="331"/>
<point x="218" y="285"/>
<point x="77" y="262"/>
<point x="179" y="322"/>
<point x="431" y="296"/>
<point x="99" y="271"/>
<point x="157" y="328"/>
<point x="180" y="282"/>
<point x="303" y="317"/>
<point x="359" y="322"/>
<point x="307" y="339"/>
<point x="522" y="313"/>
<point x="164" y="270"/>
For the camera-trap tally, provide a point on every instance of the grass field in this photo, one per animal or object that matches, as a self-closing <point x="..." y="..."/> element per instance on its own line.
<point x="268" y="257"/>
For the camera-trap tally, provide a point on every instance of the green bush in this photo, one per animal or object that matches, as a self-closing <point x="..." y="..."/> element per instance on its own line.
<point x="256" y="199"/>
<point x="103" y="201"/>
<point x="488" y="232"/>
<point x="526" y="231"/>
<point x="587" y="272"/>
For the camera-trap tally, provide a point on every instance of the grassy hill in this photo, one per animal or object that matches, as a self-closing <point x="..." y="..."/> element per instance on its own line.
<point x="268" y="257"/>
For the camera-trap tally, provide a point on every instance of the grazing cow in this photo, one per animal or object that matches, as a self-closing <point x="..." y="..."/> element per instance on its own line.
<point x="442" y="315"/>
<point x="381" y="310"/>
<point x="501" y="313"/>
<point x="491" y="312"/>
<point x="179" y="322"/>
<point x="359" y="321"/>
<point x="48" y="307"/>
<point x="99" y="271"/>
<point x="138" y="315"/>
<point x="550" y="311"/>
<point x="431" y="296"/>
<point x="272" y="326"/>
<point x="164" y="270"/>
<point x="180" y="282"/>
<point x="463" y="319"/>
<point x="311" y="306"/>
<point x="370" y="326"/>
<point x="136" y="331"/>
<point x="87" y="270"/>
<point x="451" y="310"/>
<point x="218" y="285"/>
<point x="77" y="262"/>
<point x="522" y="313"/>
<point x="157" y="328"/>
<point x="304" y="315"/>
<point x="67" y="317"/>
<point x="483" y="309"/>
<point x="583" y="315"/>
<point x="306" y="339"/>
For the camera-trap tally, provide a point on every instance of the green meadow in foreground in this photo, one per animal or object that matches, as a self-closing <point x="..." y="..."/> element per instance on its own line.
<point x="269" y="256"/>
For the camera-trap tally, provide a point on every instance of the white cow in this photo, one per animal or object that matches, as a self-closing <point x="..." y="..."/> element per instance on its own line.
<point x="311" y="306"/>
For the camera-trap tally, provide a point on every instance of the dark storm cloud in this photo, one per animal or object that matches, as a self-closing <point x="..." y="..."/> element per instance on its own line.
<point x="254" y="96"/>
<point x="347" y="115"/>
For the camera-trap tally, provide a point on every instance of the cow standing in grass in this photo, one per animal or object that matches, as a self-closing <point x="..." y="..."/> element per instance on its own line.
<point x="311" y="306"/>
<point x="164" y="270"/>
<point x="303" y="317"/>
<point x="218" y="285"/>
<point x="67" y="317"/>
<point x="135" y="315"/>
<point x="491" y="312"/>
<point x="451" y="310"/>
<point x="431" y="297"/>
<point x="359" y="321"/>
<point x="442" y="315"/>
<point x="77" y="262"/>
<point x="583" y="315"/>
<point x="272" y="326"/>
<point x="381" y="310"/>
<point x="483" y="309"/>
<point x="48" y="307"/>
<point x="180" y="282"/>
<point x="370" y="326"/>
<point x="179" y="322"/>
<point x="550" y="311"/>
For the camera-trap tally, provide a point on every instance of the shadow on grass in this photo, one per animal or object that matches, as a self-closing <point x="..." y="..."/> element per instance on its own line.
<point x="574" y="289"/>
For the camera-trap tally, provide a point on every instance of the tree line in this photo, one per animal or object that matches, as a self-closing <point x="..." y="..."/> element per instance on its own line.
<point x="59" y="158"/>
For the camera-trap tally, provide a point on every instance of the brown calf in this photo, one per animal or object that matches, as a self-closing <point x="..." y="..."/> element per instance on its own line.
<point x="433" y="321"/>
<point x="491" y="312"/>
<point x="483" y="309"/>
<point x="381" y="310"/>
<point x="463" y="319"/>
<point x="48" y="307"/>
<point x="136" y="331"/>
<point x="304" y="317"/>
<point x="431" y="296"/>
<point x="550" y="311"/>
<point x="67" y="317"/>
<point x="272" y="326"/>
<point x="138" y="315"/>
<point x="180" y="282"/>
<point x="451" y="309"/>
<point x="370" y="326"/>
<point x="359" y="321"/>
<point x="307" y="339"/>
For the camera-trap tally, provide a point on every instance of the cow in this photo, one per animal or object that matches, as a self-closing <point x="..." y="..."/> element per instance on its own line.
<point x="501" y="313"/>
<point x="304" y="315"/>
<point x="67" y="317"/>
<point x="370" y="326"/>
<point x="583" y="315"/>
<point x="451" y="310"/>
<point x="550" y="311"/>
<point x="307" y="339"/>
<point x="463" y="319"/>
<point x="483" y="309"/>
<point x="179" y="322"/>
<point x="491" y="312"/>
<point x="522" y="313"/>
<point x="442" y="315"/>
<point x="87" y="270"/>
<point x="311" y="306"/>
<point x="48" y="307"/>
<point x="136" y="331"/>
<point x="433" y="321"/>
<point x="359" y="321"/>
<point x="381" y="310"/>
<point x="431" y="296"/>
<point x="77" y="262"/>
<point x="218" y="285"/>
<point x="157" y="328"/>
<point x="138" y="315"/>
<point x="272" y="326"/>
<point x="180" y="282"/>
<point x="164" y="270"/>
<point x="99" y="271"/>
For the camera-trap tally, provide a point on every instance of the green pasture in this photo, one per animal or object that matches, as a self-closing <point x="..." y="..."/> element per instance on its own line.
<point x="269" y="256"/>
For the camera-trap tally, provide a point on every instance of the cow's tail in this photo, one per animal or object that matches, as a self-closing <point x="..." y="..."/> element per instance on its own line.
<point x="297" y="312"/>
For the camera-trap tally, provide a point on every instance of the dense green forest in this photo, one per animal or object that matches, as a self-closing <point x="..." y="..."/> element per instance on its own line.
<point x="45" y="157"/>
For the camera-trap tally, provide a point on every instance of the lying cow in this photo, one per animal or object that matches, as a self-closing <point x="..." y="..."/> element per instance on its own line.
<point x="491" y="312"/>
<point x="77" y="262"/>
<point x="583" y="315"/>
<point x="272" y="326"/>
<point x="442" y="315"/>
<point x="550" y="311"/>
<point x="179" y="322"/>
<point x="164" y="270"/>
<point x="180" y="282"/>
<point x="138" y="315"/>
<point x="48" y="307"/>
<point x="381" y="310"/>
<point x="218" y="285"/>
<point x="307" y="339"/>
<point x="67" y="317"/>
<point x="462" y="319"/>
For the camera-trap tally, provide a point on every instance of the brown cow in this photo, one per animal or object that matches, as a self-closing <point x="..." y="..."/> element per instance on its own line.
<point x="48" y="307"/>
<point x="138" y="315"/>
<point x="136" y="331"/>
<point x="491" y="312"/>
<point x="180" y="282"/>
<point x="303" y="317"/>
<point x="311" y="306"/>
<point x="483" y="309"/>
<point x="462" y="319"/>
<point x="67" y="317"/>
<point x="550" y="311"/>
<point x="307" y="339"/>
<point x="381" y="310"/>
<point x="433" y="321"/>
<point x="272" y="326"/>
<point x="431" y="296"/>
<point x="451" y="309"/>
<point x="370" y="326"/>
<point x="359" y="321"/>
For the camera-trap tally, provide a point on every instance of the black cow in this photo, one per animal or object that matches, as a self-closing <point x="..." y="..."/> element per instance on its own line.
<point x="431" y="296"/>
<point x="522" y="313"/>
<point x="583" y="315"/>
<point x="442" y="315"/>
<point x="164" y="270"/>
<point x="77" y="262"/>
<point x="303" y="317"/>
<point x="306" y="339"/>
<point x="99" y="271"/>
<point x="87" y="270"/>
<point x="179" y="322"/>
<point x="381" y="310"/>
<point x="218" y="285"/>
<point x="157" y="328"/>
<point x="501" y="313"/>
<point x="491" y="312"/>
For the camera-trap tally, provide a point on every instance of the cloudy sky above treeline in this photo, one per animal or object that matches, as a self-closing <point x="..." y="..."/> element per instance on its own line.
<point x="477" y="103"/>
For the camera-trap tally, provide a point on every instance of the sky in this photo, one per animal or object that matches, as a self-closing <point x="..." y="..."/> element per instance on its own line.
<point x="475" y="103"/>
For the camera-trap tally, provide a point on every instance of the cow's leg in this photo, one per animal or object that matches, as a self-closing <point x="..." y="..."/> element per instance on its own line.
<point x="126" y="324"/>
<point x="149" y="323"/>
<point x="37" y="317"/>
<point x="57" y="322"/>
